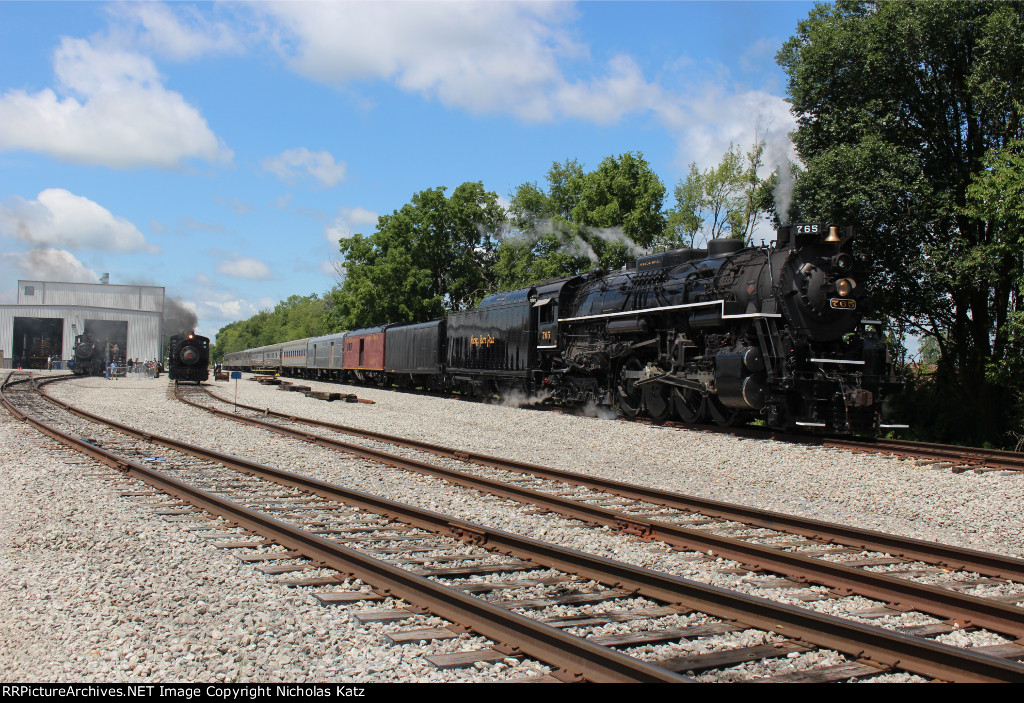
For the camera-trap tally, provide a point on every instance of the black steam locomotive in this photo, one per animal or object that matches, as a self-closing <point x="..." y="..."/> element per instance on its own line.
<point x="724" y="334"/>
<point x="729" y="334"/>
<point x="88" y="356"/>
<point x="189" y="358"/>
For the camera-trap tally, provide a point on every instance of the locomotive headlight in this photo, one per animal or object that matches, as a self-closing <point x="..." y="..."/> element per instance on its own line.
<point x="845" y="286"/>
<point x="843" y="263"/>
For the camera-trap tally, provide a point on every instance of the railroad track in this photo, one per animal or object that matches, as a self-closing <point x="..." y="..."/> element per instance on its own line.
<point x="956" y="458"/>
<point x="844" y="559"/>
<point x="777" y="629"/>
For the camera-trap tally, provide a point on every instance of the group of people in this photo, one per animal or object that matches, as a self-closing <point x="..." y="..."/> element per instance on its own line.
<point x="151" y="367"/>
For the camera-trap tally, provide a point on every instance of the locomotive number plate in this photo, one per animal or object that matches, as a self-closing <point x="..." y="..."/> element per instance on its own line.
<point x="842" y="304"/>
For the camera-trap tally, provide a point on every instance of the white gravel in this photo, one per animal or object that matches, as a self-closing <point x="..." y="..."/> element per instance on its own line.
<point x="95" y="587"/>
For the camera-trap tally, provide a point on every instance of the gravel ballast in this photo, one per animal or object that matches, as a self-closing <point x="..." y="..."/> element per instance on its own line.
<point x="95" y="587"/>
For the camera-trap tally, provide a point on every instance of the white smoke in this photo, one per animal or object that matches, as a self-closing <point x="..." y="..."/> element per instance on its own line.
<point x="516" y="398"/>
<point x="601" y="412"/>
<point x="616" y="235"/>
<point x="780" y="156"/>
<point x="570" y="244"/>
<point x="573" y="244"/>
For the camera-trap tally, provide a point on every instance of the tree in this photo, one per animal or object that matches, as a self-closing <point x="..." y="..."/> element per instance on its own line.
<point x="430" y="257"/>
<point x="295" y="318"/>
<point x="605" y="217"/>
<point x="725" y="200"/>
<point x="900" y="107"/>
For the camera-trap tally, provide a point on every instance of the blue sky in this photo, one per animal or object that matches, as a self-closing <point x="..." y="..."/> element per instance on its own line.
<point x="220" y="149"/>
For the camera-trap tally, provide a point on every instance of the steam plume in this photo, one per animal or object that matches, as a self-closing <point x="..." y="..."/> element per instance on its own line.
<point x="178" y="319"/>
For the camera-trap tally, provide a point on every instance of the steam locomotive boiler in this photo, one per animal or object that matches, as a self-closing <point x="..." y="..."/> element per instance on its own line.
<point x="189" y="358"/>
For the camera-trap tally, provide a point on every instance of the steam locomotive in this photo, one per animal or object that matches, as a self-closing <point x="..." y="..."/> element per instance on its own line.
<point x="724" y="334"/>
<point x="88" y="356"/>
<point x="189" y="358"/>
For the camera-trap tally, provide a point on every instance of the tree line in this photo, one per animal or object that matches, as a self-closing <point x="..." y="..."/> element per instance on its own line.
<point x="909" y="128"/>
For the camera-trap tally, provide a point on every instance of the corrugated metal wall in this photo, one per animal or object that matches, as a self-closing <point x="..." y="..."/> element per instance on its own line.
<point x="97" y="295"/>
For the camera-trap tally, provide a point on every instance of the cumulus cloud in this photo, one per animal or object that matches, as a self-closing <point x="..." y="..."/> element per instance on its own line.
<point x="59" y="217"/>
<point x="348" y="220"/>
<point x="218" y="308"/>
<point x="244" y="267"/>
<point x="290" y="164"/>
<point x="482" y="57"/>
<point x="48" y="264"/>
<point x="180" y="33"/>
<point x="513" y="58"/>
<point x="708" y="119"/>
<point x="109" y="108"/>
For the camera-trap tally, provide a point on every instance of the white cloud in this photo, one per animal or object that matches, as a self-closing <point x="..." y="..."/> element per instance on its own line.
<point x="244" y="267"/>
<point x="110" y="108"/>
<point x="181" y="33"/>
<point x="290" y="164"/>
<point x="59" y="217"/>
<point x="217" y="309"/>
<point x="48" y="264"/>
<point x="349" y="220"/>
<point x="608" y="99"/>
<point x="481" y="57"/>
<point x="513" y="58"/>
<point x="708" y="118"/>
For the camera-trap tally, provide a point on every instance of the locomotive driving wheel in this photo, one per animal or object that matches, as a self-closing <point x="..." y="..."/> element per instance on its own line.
<point x="628" y="397"/>
<point x="658" y="400"/>
<point x="723" y="416"/>
<point x="689" y="405"/>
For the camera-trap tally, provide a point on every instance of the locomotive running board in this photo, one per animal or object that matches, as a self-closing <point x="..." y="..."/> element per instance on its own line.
<point x="645" y="311"/>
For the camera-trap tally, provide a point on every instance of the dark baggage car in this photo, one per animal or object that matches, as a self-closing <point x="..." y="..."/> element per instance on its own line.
<point x="414" y="354"/>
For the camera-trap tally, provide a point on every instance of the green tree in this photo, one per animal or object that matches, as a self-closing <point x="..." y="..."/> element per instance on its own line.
<point x="899" y="105"/>
<point x="604" y="217"/>
<point x="430" y="257"/>
<point x="726" y="200"/>
<point x="295" y="318"/>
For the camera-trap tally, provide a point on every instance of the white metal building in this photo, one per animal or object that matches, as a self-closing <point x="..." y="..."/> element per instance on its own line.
<point x="127" y="320"/>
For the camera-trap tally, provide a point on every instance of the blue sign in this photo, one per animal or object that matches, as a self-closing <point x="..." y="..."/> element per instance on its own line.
<point x="236" y="374"/>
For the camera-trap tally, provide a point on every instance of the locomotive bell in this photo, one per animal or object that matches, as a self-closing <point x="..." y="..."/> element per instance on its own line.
<point x="833" y="235"/>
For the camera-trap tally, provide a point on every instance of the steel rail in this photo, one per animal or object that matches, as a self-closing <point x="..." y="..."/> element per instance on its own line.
<point x="973" y="456"/>
<point x="918" y="550"/>
<point x="882" y="647"/>
<point x="969" y="456"/>
<point x="573" y="654"/>
<point x="902" y="594"/>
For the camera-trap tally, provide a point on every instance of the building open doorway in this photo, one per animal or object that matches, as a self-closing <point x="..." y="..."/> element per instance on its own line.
<point x="111" y="338"/>
<point x="36" y="341"/>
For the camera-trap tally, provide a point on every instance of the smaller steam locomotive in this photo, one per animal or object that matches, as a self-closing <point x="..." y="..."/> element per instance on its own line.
<point x="88" y="357"/>
<point x="189" y="358"/>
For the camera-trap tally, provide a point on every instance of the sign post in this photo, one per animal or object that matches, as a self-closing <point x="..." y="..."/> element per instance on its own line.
<point x="236" y="375"/>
